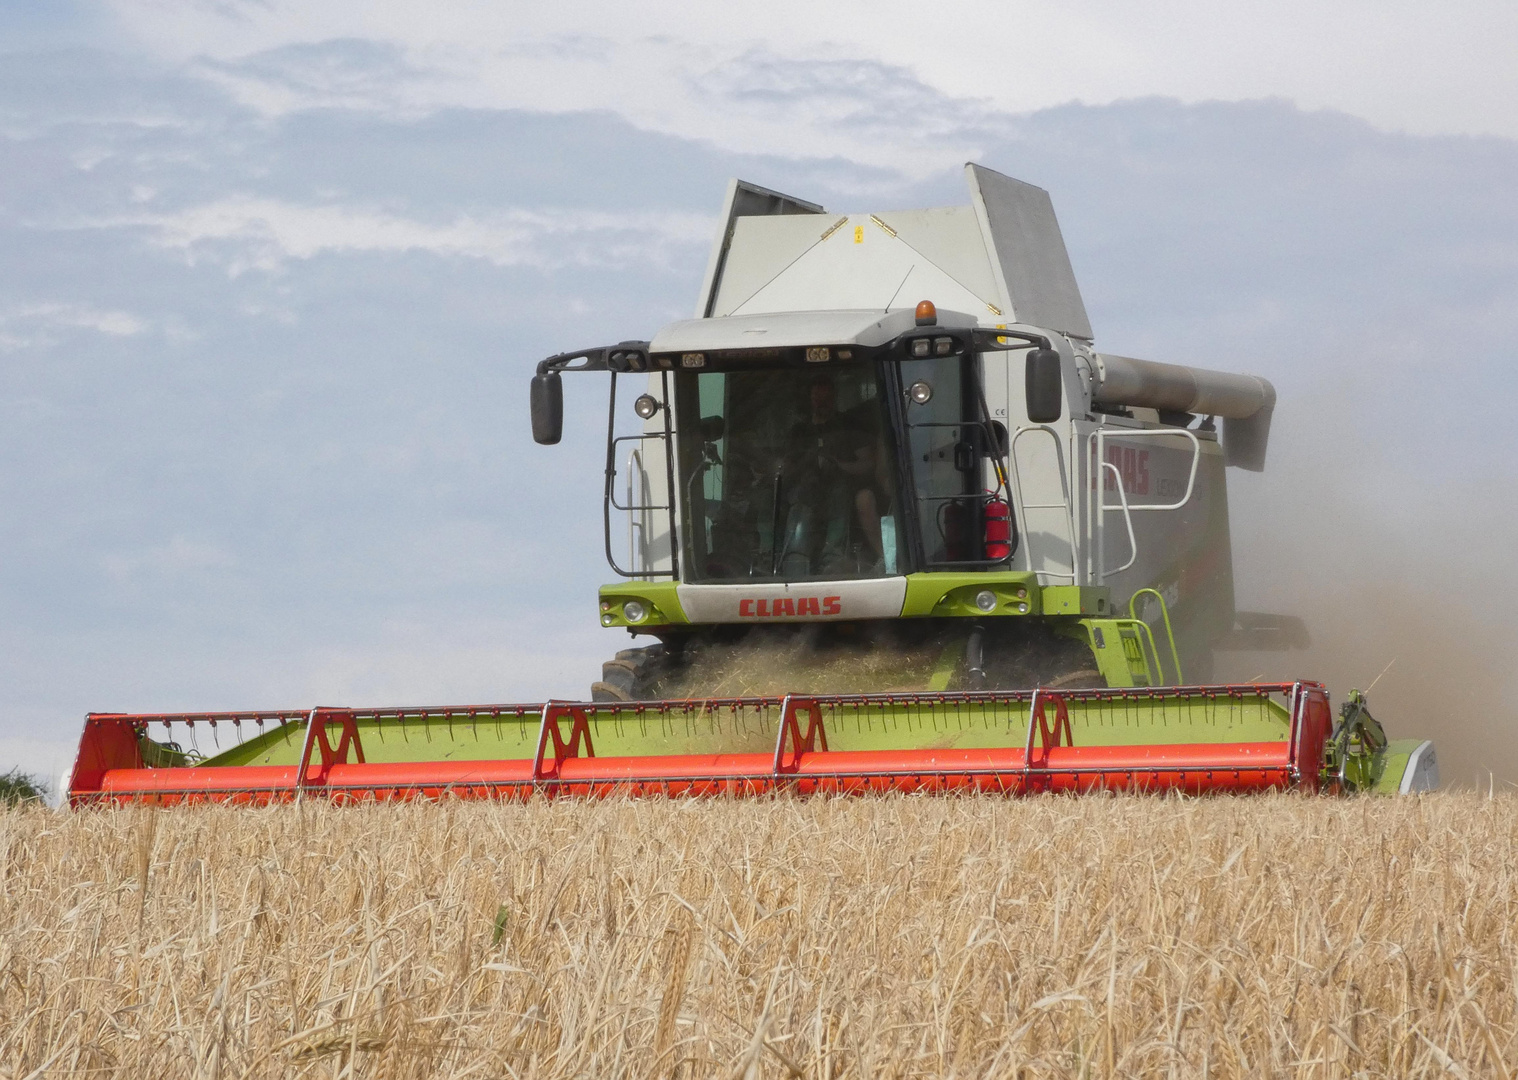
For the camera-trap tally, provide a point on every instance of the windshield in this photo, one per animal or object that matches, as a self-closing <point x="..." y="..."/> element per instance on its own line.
<point x="786" y="475"/>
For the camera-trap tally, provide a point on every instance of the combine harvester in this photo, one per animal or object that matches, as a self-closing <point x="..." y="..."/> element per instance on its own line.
<point x="884" y="474"/>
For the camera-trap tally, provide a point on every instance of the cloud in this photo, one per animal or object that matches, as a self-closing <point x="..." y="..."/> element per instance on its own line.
<point x="344" y="73"/>
<point x="860" y="96"/>
<point x="1389" y="63"/>
<point x="30" y="325"/>
<point x="246" y="232"/>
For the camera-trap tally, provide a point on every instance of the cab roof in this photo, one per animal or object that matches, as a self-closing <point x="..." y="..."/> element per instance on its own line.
<point x="795" y="329"/>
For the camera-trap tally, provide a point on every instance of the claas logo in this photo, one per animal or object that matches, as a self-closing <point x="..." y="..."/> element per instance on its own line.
<point x="794" y="606"/>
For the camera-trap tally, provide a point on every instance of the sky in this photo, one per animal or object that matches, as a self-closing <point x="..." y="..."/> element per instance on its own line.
<point x="273" y="278"/>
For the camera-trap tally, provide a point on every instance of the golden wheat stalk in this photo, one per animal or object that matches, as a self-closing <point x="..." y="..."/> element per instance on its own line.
<point x="1113" y="936"/>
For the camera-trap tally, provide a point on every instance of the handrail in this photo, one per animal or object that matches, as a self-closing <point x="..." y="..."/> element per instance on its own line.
<point x="1133" y="550"/>
<point x="1096" y="442"/>
<point x="641" y="437"/>
<point x="1142" y="631"/>
<point x="609" y="492"/>
<point x="637" y="517"/>
<point x="637" y="512"/>
<point x="1100" y="438"/>
<point x="1175" y="655"/>
<point x="1067" y="506"/>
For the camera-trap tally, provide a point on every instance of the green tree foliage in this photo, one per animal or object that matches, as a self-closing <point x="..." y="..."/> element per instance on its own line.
<point x="19" y="787"/>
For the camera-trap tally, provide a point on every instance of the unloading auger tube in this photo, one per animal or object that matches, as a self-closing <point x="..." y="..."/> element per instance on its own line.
<point x="1244" y="402"/>
<point x="1198" y="740"/>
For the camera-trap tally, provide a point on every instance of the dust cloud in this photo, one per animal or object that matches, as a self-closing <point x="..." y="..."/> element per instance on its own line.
<point x="1405" y="577"/>
<point x="772" y="665"/>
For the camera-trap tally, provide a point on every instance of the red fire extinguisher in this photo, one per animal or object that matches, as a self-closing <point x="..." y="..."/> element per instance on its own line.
<point x="998" y="530"/>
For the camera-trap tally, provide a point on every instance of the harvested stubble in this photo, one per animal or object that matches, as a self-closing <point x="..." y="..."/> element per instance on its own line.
<point x="1126" y="936"/>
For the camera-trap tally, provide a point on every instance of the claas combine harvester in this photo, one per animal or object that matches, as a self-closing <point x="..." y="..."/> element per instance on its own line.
<point x="888" y="522"/>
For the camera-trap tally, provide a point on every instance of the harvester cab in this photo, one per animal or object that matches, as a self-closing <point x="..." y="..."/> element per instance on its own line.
<point x="893" y="524"/>
<point x="891" y="433"/>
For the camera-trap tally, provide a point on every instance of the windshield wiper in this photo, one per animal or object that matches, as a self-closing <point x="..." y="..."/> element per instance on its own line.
<point x="777" y="553"/>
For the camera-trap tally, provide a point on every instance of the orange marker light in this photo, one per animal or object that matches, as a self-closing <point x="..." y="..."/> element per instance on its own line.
<point x="927" y="314"/>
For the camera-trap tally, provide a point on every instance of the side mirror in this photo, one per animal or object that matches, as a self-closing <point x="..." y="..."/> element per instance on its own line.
<point x="547" y="408"/>
<point x="1045" y="388"/>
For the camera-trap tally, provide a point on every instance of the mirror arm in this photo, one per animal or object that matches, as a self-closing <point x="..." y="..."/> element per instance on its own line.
<point x="625" y="356"/>
<point x="986" y="340"/>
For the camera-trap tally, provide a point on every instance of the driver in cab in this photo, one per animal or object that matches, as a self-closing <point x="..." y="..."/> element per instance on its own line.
<point x="835" y="450"/>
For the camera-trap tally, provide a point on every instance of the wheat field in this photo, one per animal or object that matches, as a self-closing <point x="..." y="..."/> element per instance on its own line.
<point x="904" y="936"/>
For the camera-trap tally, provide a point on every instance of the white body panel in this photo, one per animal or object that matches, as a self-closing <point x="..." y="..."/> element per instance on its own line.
<point x="860" y="261"/>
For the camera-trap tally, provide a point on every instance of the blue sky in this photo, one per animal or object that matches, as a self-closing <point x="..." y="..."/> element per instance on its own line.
<point x="271" y="285"/>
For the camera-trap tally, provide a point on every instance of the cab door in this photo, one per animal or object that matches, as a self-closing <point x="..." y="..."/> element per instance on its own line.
<point x="947" y="441"/>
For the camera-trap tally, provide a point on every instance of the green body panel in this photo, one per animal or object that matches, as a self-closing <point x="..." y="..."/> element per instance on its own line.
<point x="1076" y="600"/>
<point x="947" y="666"/>
<point x="658" y="596"/>
<point x="1391" y="764"/>
<point x="1124" y="651"/>
<point x="953" y="594"/>
<point x="156" y="755"/>
<point x="1118" y="651"/>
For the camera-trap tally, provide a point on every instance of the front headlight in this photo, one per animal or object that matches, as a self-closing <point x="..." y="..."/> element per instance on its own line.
<point x="634" y="611"/>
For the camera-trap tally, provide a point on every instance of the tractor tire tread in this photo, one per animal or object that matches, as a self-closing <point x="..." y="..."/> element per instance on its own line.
<point x="604" y="691"/>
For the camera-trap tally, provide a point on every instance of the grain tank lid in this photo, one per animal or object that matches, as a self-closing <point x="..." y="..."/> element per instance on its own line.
<point x="792" y="329"/>
<point x="1028" y="255"/>
<point x="743" y="200"/>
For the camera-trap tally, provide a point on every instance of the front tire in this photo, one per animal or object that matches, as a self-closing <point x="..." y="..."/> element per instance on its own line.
<point x="630" y="675"/>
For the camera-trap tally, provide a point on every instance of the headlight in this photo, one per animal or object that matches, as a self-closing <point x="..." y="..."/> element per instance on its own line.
<point x="634" y="611"/>
<point x="647" y="406"/>
<point x="985" y="600"/>
<point x="920" y="392"/>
